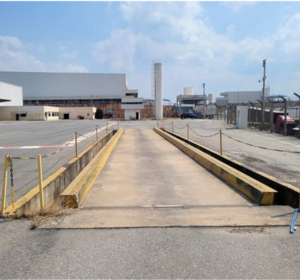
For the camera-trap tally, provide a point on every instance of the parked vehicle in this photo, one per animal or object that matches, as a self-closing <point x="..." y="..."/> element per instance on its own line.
<point x="188" y="115"/>
<point x="290" y="123"/>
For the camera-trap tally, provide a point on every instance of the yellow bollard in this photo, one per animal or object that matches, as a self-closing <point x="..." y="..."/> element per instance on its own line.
<point x="221" y="144"/>
<point x="76" y="150"/>
<point x="39" y="160"/>
<point x="5" y="166"/>
<point x="188" y="131"/>
<point x="96" y="133"/>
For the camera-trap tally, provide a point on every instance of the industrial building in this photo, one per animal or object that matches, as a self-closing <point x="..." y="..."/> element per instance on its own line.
<point x="10" y="95"/>
<point x="77" y="89"/>
<point x="200" y="104"/>
<point x="29" y="113"/>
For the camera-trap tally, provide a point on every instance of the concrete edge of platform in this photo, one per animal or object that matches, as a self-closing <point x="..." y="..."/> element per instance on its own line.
<point x="57" y="182"/>
<point x="255" y="190"/>
<point x="76" y="192"/>
<point x="287" y="194"/>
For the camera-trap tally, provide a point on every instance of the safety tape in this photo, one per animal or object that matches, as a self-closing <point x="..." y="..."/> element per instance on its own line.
<point x="204" y="135"/>
<point x="264" y="148"/>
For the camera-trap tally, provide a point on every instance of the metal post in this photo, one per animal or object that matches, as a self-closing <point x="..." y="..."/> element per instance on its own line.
<point x="271" y="115"/>
<point x="263" y="96"/>
<point x="76" y="149"/>
<point x="106" y="127"/>
<point x="285" y="115"/>
<point x="298" y="108"/>
<point x="157" y="124"/>
<point x="39" y="159"/>
<point x="188" y="131"/>
<point x="96" y="133"/>
<point x="118" y="125"/>
<point x="172" y="127"/>
<point x="221" y="144"/>
<point x="5" y="166"/>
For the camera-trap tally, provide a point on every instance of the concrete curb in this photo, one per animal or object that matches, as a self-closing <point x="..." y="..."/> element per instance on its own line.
<point x="255" y="190"/>
<point x="76" y="192"/>
<point x="56" y="183"/>
<point x="287" y="194"/>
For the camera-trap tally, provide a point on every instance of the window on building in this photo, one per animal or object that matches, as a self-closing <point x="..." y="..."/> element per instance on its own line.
<point x="23" y="115"/>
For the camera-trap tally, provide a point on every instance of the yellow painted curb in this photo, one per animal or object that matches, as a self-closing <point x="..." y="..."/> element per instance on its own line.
<point x="10" y="210"/>
<point x="255" y="190"/>
<point x="74" y="195"/>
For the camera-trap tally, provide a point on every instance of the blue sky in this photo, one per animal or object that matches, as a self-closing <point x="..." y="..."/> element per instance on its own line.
<point x="220" y="44"/>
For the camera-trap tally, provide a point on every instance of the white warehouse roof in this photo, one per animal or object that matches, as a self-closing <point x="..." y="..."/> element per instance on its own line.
<point x="40" y="84"/>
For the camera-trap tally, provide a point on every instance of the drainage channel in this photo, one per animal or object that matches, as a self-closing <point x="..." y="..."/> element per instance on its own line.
<point x="287" y="194"/>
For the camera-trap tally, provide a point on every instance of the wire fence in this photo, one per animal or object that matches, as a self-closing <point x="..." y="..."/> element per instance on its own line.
<point x="205" y="136"/>
<point x="221" y="133"/>
<point x="78" y="141"/>
<point x="260" y="147"/>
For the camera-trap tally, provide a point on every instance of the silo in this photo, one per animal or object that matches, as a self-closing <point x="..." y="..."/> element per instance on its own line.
<point x="158" y="76"/>
<point x="210" y="97"/>
<point x="188" y="91"/>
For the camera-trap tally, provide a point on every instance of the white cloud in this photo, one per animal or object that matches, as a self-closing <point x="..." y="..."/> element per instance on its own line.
<point x="230" y="29"/>
<point x="192" y="50"/>
<point x="10" y="41"/>
<point x="236" y="6"/>
<point x="70" y="55"/>
<point x="15" y="56"/>
<point x="117" y="51"/>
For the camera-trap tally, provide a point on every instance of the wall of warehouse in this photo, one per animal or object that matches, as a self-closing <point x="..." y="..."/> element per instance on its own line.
<point x="67" y="84"/>
<point x="12" y="93"/>
<point x="29" y="113"/>
<point x="74" y="113"/>
<point x="130" y="114"/>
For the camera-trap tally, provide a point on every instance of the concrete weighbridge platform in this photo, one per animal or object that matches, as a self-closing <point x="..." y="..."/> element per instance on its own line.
<point x="148" y="182"/>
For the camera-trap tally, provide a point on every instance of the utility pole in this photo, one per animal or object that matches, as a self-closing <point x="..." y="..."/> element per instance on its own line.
<point x="204" y="107"/>
<point x="263" y="96"/>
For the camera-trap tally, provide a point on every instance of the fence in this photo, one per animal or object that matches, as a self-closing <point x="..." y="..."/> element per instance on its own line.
<point x="9" y="162"/>
<point x="220" y="133"/>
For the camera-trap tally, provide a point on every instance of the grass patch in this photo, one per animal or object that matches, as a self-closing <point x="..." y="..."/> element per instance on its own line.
<point x="54" y="213"/>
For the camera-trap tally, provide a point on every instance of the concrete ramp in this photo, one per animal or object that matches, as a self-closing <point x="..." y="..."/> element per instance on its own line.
<point x="148" y="182"/>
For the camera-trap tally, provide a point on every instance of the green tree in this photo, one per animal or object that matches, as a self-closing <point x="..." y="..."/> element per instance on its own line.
<point x="99" y="114"/>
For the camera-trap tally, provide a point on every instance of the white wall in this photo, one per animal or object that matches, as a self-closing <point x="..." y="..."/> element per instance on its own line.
<point x="74" y="112"/>
<point x="238" y="97"/>
<point x="33" y="113"/>
<point x="242" y="117"/>
<point x="11" y="92"/>
<point x="67" y="84"/>
<point x="131" y="114"/>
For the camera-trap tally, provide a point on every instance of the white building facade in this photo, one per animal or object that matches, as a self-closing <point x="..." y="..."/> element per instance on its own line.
<point x="10" y="95"/>
<point x="75" y="88"/>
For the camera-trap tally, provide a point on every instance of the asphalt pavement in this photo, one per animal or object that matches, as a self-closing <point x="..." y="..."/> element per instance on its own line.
<point x="152" y="253"/>
<point x="147" y="253"/>
<point x="19" y="139"/>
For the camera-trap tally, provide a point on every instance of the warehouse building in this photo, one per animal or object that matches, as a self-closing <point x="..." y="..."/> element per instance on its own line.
<point x="10" y="95"/>
<point x="77" y="89"/>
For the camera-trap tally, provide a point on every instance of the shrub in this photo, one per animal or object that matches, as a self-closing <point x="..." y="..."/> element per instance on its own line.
<point x="99" y="114"/>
